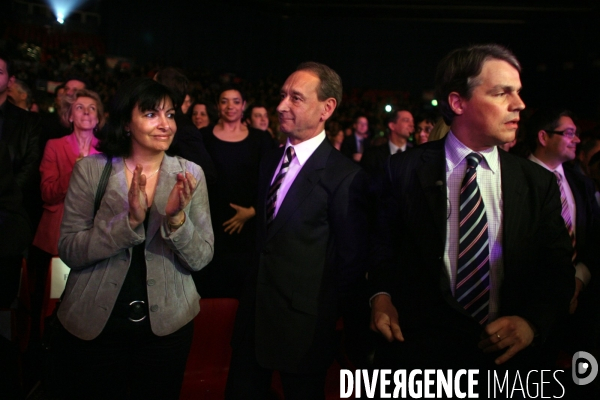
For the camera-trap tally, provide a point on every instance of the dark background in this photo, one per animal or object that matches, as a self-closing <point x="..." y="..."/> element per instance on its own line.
<point x="375" y="44"/>
<point x="371" y="44"/>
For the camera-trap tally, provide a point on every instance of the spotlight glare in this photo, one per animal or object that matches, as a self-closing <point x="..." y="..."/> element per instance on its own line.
<point x="434" y="102"/>
<point x="63" y="8"/>
<point x="388" y="108"/>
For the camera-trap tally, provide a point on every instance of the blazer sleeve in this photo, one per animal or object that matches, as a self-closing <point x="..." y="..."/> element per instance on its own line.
<point x="349" y="219"/>
<point x="13" y="219"/>
<point x="84" y="239"/>
<point x="54" y="176"/>
<point x="549" y="287"/>
<point x="193" y="242"/>
<point x="28" y="174"/>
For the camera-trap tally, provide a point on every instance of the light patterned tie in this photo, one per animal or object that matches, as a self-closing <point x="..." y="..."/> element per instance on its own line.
<point x="473" y="268"/>
<point x="274" y="189"/>
<point x="566" y="214"/>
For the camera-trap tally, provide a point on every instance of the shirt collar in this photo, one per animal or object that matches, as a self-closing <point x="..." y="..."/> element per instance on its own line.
<point x="394" y="149"/>
<point x="456" y="151"/>
<point x="305" y="149"/>
<point x="558" y="169"/>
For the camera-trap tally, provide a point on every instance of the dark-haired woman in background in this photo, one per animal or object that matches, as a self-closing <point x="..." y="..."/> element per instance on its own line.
<point x="201" y="114"/>
<point x="236" y="151"/>
<point x="130" y="300"/>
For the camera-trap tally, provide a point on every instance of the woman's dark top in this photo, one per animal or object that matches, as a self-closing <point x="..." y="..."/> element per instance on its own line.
<point x="237" y="165"/>
<point x="133" y="289"/>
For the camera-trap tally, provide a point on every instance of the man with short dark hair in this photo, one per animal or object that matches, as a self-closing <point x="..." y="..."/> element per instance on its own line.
<point x="52" y="123"/>
<point x="471" y="258"/>
<point x="258" y="117"/>
<point x="553" y="138"/>
<point x="400" y="125"/>
<point x="354" y="145"/>
<point x="73" y="84"/>
<point x="311" y="253"/>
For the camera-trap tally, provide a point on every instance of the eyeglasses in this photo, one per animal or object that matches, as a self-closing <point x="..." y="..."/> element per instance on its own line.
<point x="568" y="133"/>
<point x="427" y="129"/>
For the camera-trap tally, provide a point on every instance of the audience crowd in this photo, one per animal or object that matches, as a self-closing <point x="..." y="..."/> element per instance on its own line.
<point x="52" y="113"/>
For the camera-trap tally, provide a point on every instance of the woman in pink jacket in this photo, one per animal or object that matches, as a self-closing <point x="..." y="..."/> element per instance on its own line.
<point x="85" y="114"/>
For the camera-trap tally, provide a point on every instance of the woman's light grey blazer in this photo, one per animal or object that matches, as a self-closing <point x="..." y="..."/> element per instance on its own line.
<point x="98" y="250"/>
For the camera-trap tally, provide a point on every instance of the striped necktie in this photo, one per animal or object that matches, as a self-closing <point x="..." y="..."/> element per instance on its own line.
<point x="566" y="214"/>
<point x="276" y="185"/>
<point x="473" y="268"/>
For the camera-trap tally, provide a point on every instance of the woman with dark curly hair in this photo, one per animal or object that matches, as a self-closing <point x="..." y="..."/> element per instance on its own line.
<point x="130" y="301"/>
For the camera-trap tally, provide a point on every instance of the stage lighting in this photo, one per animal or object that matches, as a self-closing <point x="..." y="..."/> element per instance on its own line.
<point x="388" y="108"/>
<point x="63" y="8"/>
<point x="434" y="102"/>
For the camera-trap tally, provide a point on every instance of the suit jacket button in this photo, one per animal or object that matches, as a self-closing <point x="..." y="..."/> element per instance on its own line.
<point x="154" y="308"/>
<point x="151" y="282"/>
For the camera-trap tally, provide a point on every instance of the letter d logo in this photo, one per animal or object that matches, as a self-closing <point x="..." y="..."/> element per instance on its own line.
<point x="584" y="367"/>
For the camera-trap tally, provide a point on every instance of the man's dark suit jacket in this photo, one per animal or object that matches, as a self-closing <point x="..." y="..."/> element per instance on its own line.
<point x="21" y="133"/>
<point x="587" y="220"/>
<point x="16" y="232"/>
<point x="311" y="255"/>
<point x="373" y="161"/>
<point x="348" y="147"/>
<point x="408" y="255"/>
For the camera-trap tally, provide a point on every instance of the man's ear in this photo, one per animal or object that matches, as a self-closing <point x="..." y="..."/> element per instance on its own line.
<point x="328" y="108"/>
<point x="11" y="81"/>
<point x="456" y="103"/>
<point x="542" y="138"/>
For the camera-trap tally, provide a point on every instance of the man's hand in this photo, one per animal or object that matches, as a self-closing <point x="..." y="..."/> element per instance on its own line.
<point x="357" y="157"/>
<point x="510" y="333"/>
<point x="384" y="318"/>
<point x="574" y="301"/>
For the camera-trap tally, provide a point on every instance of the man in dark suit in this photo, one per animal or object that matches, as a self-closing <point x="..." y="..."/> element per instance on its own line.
<point x="471" y="260"/>
<point x="401" y="125"/>
<point x="310" y="221"/>
<point x="16" y="237"/>
<point x="20" y="131"/>
<point x="355" y="145"/>
<point x="553" y="139"/>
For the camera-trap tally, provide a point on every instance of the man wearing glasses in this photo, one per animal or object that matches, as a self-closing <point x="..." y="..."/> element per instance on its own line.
<point x="553" y="139"/>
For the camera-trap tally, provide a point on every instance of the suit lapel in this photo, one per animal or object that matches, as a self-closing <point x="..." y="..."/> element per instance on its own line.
<point x="580" y="211"/>
<point x="514" y="189"/>
<point x="304" y="183"/>
<point x="432" y="176"/>
<point x="10" y="124"/>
